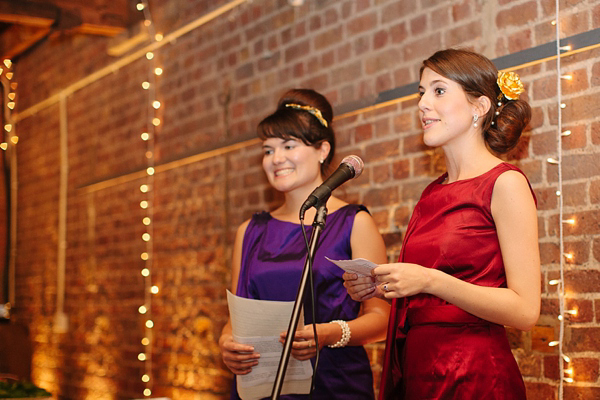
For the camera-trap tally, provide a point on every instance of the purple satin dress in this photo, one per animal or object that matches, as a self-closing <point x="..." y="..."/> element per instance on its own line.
<point x="435" y="350"/>
<point x="273" y="255"/>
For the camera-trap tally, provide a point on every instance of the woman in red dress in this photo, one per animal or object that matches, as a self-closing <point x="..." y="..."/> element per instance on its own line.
<point x="470" y="261"/>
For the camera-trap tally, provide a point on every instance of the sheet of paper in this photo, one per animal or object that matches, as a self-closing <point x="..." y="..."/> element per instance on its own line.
<point x="358" y="266"/>
<point x="259" y="323"/>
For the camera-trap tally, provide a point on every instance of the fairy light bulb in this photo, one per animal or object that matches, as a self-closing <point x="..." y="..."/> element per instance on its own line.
<point x="146" y="272"/>
<point x="146" y="237"/>
<point x="158" y="71"/>
<point x="150" y="171"/>
<point x="11" y="105"/>
<point x="148" y="154"/>
<point x="154" y="289"/>
<point x="144" y="256"/>
<point x="553" y="343"/>
<point x="566" y="358"/>
<point x="139" y="6"/>
<point x="551" y="160"/>
<point x="8" y="63"/>
<point x="3" y="145"/>
<point x="142" y="356"/>
<point x="156" y="121"/>
<point x="149" y="324"/>
<point x="144" y="204"/>
<point x="158" y="37"/>
<point x="145" y="136"/>
<point x="554" y="282"/>
<point x="156" y="104"/>
<point x="147" y="23"/>
<point x="142" y="310"/>
<point x="570" y="221"/>
<point x="569" y="256"/>
<point x="145" y="341"/>
<point x="147" y="392"/>
<point x="8" y="127"/>
<point x="144" y="188"/>
<point x="9" y="75"/>
<point x="146" y="221"/>
<point x="567" y="77"/>
<point x="145" y="378"/>
<point x="146" y="85"/>
<point x="566" y="133"/>
<point x="563" y="105"/>
<point x="11" y="96"/>
<point x="572" y="312"/>
<point x="149" y="55"/>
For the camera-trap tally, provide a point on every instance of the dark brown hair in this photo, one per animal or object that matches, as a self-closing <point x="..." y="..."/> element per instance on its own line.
<point x="478" y="77"/>
<point x="287" y="122"/>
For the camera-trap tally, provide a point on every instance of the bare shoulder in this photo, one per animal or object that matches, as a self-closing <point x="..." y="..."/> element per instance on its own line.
<point x="510" y="184"/>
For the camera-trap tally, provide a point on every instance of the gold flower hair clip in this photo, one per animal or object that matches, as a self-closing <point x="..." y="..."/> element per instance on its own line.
<point x="314" y="111"/>
<point x="510" y="85"/>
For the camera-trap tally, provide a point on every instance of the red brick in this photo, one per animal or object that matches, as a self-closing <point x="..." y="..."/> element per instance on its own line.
<point x="422" y="48"/>
<point x="464" y="33"/>
<point x="518" y="15"/>
<point x="461" y="11"/>
<point x="362" y="24"/>
<point x="397" y="10"/>
<point x="520" y="41"/>
<point x="581" y="393"/>
<point x="418" y="25"/>
<point x="382" y="150"/>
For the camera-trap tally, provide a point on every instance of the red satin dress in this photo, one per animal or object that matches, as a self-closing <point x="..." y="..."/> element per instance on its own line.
<point x="434" y="349"/>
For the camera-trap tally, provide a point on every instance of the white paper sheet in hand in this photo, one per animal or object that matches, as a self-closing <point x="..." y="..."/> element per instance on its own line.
<point x="358" y="266"/>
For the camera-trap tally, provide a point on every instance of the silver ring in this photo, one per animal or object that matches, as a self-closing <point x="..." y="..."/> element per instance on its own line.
<point x="385" y="287"/>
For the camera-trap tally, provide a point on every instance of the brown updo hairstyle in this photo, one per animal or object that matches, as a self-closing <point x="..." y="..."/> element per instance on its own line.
<point x="291" y="123"/>
<point x="478" y="77"/>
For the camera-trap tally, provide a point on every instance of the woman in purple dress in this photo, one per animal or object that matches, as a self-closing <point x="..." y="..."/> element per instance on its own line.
<point x="469" y="263"/>
<point x="269" y="253"/>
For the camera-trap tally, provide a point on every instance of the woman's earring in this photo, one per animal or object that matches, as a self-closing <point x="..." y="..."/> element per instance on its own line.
<point x="475" y="119"/>
<point x="321" y="161"/>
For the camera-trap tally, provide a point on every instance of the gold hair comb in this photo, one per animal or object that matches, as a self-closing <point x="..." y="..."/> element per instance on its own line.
<point x="314" y="111"/>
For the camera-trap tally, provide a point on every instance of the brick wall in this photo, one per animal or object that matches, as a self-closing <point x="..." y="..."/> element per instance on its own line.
<point x="219" y="80"/>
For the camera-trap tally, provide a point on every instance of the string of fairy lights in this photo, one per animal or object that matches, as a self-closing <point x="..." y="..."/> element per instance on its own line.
<point x="566" y="372"/>
<point x="147" y="204"/>
<point x="10" y="102"/>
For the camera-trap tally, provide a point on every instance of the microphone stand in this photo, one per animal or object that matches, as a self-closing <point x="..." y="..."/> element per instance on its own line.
<point x="318" y="225"/>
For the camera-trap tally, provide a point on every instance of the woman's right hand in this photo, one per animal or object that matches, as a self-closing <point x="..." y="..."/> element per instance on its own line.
<point x="361" y="288"/>
<point x="239" y="358"/>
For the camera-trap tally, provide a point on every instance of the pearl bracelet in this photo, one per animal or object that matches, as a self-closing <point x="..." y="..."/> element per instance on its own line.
<point x="345" y="334"/>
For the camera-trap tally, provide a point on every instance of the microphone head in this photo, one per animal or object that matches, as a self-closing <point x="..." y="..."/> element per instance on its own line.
<point x="355" y="163"/>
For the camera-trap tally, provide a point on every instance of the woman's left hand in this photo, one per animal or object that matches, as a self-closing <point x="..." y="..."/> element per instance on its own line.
<point x="304" y="345"/>
<point x="402" y="279"/>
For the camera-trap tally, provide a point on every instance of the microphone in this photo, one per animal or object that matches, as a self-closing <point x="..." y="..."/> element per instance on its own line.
<point x="350" y="167"/>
